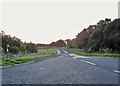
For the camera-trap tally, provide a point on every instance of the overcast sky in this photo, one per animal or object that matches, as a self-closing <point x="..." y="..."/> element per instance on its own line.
<point x="44" y="22"/>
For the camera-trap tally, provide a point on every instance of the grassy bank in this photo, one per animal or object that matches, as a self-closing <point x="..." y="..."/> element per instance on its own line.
<point x="18" y="60"/>
<point x="81" y="52"/>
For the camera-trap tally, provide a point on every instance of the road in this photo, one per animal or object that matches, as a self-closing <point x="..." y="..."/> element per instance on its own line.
<point x="65" y="68"/>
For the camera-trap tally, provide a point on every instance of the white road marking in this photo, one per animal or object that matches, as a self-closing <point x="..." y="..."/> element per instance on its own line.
<point x="79" y="56"/>
<point x="89" y="62"/>
<point x="75" y="57"/>
<point x="82" y="60"/>
<point x="41" y="68"/>
<point x="65" y="51"/>
<point x="116" y="71"/>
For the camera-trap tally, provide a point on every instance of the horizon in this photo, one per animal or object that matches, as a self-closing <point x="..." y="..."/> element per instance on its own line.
<point x="66" y="17"/>
<point x="52" y="41"/>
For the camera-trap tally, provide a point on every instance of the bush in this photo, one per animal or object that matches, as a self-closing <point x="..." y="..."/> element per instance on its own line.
<point x="14" y="50"/>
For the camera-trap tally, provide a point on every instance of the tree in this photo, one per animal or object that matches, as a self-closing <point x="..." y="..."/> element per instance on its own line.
<point x="23" y="48"/>
<point x="16" y="45"/>
<point x="58" y="43"/>
<point x="31" y="47"/>
<point x="69" y="43"/>
<point x="14" y="49"/>
<point x="103" y="37"/>
<point x="83" y="37"/>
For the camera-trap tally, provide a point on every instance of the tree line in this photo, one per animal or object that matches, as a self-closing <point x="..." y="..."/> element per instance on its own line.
<point x="102" y="37"/>
<point x="14" y="45"/>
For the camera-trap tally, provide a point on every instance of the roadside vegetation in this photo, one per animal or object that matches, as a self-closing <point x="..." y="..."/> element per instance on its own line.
<point x="83" y="53"/>
<point x="102" y="39"/>
<point x="14" y="51"/>
<point x="32" y="57"/>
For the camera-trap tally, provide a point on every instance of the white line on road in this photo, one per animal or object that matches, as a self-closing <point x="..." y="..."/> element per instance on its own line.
<point x="75" y="57"/>
<point x="89" y="62"/>
<point x="65" y="51"/>
<point x="41" y="68"/>
<point x="116" y="71"/>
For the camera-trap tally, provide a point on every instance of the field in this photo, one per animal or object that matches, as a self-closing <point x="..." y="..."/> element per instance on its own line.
<point x="18" y="60"/>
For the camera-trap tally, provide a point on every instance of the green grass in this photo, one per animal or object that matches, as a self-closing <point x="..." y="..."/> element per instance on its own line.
<point x="81" y="52"/>
<point x="47" y="51"/>
<point x="18" y="60"/>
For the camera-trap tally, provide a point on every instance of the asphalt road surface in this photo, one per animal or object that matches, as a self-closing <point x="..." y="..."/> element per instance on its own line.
<point x="65" y="68"/>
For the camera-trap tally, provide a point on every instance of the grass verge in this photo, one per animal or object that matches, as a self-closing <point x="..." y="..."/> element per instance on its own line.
<point x="18" y="60"/>
<point x="80" y="52"/>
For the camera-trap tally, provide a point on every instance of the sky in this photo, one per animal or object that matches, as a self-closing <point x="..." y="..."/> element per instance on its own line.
<point x="45" y="21"/>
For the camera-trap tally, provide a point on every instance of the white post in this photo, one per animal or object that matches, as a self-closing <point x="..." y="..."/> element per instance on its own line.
<point x="8" y="50"/>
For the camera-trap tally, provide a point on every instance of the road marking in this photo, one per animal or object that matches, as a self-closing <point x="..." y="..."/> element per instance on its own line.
<point x="65" y="51"/>
<point x="89" y="62"/>
<point x="41" y="68"/>
<point x="116" y="71"/>
<point x="79" y="56"/>
<point x="75" y="57"/>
